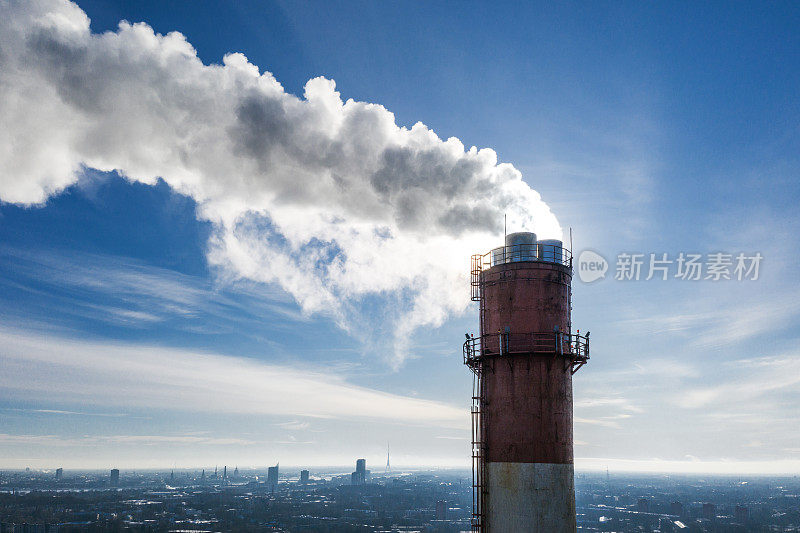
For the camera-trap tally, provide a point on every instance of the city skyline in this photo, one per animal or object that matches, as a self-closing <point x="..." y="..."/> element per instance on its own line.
<point x="438" y="500"/>
<point x="265" y="258"/>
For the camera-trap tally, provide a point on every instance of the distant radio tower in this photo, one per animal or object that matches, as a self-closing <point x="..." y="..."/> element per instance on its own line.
<point x="387" y="458"/>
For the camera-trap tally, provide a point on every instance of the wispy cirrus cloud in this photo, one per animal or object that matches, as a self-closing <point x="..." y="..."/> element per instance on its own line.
<point x="718" y="323"/>
<point x="294" y="425"/>
<point x="689" y="464"/>
<point x="125" y="292"/>
<point x="133" y="440"/>
<point x="136" y="376"/>
<point x="602" y="402"/>
<point x="764" y="376"/>
<point x="60" y="412"/>
<point x="604" y="421"/>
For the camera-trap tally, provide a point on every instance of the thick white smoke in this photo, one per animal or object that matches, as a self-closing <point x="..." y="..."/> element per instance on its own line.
<point x="330" y="199"/>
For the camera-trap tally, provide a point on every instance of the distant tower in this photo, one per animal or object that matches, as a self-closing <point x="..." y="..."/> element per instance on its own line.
<point x="361" y="471"/>
<point x="224" y="472"/>
<point x="709" y="511"/>
<point x="304" y="477"/>
<point x="203" y="476"/>
<point x="59" y="473"/>
<point x="441" y="510"/>
<point x="388" y="466"/>
<point x="523" y="362"/>
<point x="114" y="480"/>
<point x="272" y="477"/>
<point x="236" y="472"/>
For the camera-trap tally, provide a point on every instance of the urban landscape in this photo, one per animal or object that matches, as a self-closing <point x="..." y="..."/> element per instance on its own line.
<point x="278" y="499"/>
<point x="544" y="252"/>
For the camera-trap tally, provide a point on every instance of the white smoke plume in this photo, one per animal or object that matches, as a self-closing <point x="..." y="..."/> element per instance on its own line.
<point x="330" y="199"/>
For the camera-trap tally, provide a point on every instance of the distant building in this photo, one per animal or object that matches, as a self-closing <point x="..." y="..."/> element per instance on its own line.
<point x="643" y="505"/>
<point x="236" y="472"/>
<point x="224" y="472"/>
<point x="676" y="508"/>
<point x="361" y="472"/>
<point x="59" y="473"/>
<point x="741" y="514"/>
<point x="272" y="476"/>
<point x="304" y="477"/>
<point x="441" y="510"/>
<point x="114" y="477"/>
<point x="354" y="478"/>
<point x="709" y="511"/>
<point x="665" y="525"/>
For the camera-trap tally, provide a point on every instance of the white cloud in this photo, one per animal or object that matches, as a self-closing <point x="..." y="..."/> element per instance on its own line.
<point x="331" y="199"/>
<point x="69" y="413"/>
<point x="602" y="402"/>
<point x="136" y="440"/>
<point x="128" y="376"/>
<point x="764" y="375"/>
<point x="294" y="425"/>
<point x="721" y="319"/>
<point x="694" y="465"/>
<point x="605" y="421"/>
<point x="137" y="294"/>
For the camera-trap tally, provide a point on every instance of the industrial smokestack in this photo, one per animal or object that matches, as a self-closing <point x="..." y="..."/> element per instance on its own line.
<point x="524" y="360"/>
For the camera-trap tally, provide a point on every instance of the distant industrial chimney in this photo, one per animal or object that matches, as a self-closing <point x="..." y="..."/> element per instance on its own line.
<point x="523" y="361"/>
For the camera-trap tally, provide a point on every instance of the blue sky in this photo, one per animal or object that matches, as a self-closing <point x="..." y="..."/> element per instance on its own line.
<point x="149" y="324"/>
